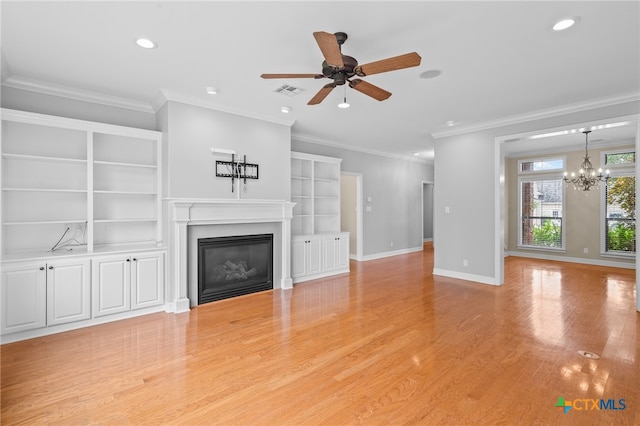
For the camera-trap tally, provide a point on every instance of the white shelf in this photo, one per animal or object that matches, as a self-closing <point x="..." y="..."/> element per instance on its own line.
<point x="43" y="158"/>
<point x="125" y="192"/>
<point x="84" y="191"/>
<point x="125" y="220"/>
<point x="113" y="163"/>
<point x="45" y="222"/>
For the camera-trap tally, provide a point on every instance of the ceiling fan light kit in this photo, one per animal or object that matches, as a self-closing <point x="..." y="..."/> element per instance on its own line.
<point x="342" y="68"/>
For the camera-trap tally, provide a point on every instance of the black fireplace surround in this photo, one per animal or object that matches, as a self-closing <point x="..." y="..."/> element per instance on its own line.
<point x="233" y="266"/>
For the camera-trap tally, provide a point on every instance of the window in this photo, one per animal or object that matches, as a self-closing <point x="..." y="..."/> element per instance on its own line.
<point x="620" y="158"/>
<point x="545" y="164"/>
<point x="541" y="212"/>
<point x="619" y="218"/>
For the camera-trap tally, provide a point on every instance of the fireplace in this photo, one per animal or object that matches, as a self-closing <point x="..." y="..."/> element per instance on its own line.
<point x="233" y="266"/>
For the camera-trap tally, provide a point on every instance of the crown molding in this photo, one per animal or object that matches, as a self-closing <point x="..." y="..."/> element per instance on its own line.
<point x="47" y="88"/>
<point x="538" y="115"/>
<point x="165" y="95"/>
<point x="308" y="139"/>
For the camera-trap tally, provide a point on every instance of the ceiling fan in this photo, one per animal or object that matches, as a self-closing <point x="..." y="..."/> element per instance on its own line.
<point x="342" y="68"/>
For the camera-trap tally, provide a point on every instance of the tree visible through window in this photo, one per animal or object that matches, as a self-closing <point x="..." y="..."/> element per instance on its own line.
<point x="620" y="215"/>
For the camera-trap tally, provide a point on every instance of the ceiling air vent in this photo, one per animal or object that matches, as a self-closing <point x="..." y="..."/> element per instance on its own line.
<point x="287" y="90"/>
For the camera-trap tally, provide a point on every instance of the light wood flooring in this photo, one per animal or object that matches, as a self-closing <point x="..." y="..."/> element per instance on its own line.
<point x="388" y="344"/>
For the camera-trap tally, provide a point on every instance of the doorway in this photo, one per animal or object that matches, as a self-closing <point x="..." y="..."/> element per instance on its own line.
<point x="427" y="212"/>
<point x="351" y="218"/>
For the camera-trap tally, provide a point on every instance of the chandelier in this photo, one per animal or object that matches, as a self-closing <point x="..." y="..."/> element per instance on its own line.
<point x="587" y="177"/>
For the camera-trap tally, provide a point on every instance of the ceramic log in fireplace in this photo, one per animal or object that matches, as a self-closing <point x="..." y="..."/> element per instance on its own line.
<point x="234" y="266"/>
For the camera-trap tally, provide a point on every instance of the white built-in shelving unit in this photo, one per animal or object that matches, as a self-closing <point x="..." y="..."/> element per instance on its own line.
<point x="95" y="182"/>
<point x="319" y="247"/>
<point x="59" y="172"/>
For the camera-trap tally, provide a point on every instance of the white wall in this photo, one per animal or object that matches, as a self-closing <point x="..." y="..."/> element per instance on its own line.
<point x="191" y="132"/>
<point x="466" y="180"/>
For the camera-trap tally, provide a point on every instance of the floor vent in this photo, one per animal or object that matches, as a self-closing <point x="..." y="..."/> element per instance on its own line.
<point x="590" y="355"/>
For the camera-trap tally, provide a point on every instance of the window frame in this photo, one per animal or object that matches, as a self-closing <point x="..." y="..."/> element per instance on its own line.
<point x="562" y="158"/>
<point x="616" y="170"/>
<point x="553" y="175"/>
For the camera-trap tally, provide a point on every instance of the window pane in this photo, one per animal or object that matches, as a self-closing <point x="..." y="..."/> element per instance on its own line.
<point x="542" y="213"/>
<point x="620" y="223"/>
<point x="542" y="165"/>
<point x="620" y="158"/>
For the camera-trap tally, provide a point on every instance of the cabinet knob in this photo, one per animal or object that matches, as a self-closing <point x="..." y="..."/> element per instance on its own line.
<point x="50" y="267"/>
<point x="135" y="260"/>
<point x="128" y="260"/>
<point x="42" y="268"/>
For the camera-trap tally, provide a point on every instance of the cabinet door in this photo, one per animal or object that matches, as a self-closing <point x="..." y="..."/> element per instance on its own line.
<point x="330" y="253"/>
<point x="68" y="291"/>
<point x="111" y="285"/>
<point x="314" y="256"/>
<point x="342" y="257"/>
<point x="24" y="298"/>
<point x="298" y="254"/>
<point x="147" y="280"/>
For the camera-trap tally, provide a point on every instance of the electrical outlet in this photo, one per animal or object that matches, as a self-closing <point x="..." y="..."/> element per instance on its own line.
<point x="391" y="243"/>
<point x="586" y="250"/>
<point x="465" y="263"/>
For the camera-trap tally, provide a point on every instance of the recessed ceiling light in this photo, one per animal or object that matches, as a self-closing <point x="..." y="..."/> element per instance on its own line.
<point x="285" y="109"/>
<point x="451" y="123"/>
<point x="566" y="23"/>
<point x="430" y="74"/>
<point x="212" y="90"/>
<point x="416" y="153"/>
<point x="146" y="43"/>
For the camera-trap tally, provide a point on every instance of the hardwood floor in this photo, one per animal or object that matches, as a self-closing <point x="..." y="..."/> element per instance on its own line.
<point x="388" y="344"/>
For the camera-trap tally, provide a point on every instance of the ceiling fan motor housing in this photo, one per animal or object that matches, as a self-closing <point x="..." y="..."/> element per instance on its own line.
<point x="340" y="75"/>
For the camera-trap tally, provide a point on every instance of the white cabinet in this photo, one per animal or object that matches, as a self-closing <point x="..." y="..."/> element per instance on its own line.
<point x="336" y="252"/>
<point x="306" y="256"/>
<point x="127" y="281"/>
<point x="40" y="294"/>
<point x="147" y="278"/>
<point x="317" y="256"/>
<point x="65" y="179"/>
<point x="24" y="298"/>
<point x="111" y="285"/>
<point x="68" y="291"/>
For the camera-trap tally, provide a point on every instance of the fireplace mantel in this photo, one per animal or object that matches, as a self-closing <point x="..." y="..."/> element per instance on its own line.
<point x="188" y="212"/>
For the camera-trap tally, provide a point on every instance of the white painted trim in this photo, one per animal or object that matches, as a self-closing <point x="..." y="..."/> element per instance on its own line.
<point x="427" y="240"/>
<point x="537" y="115"/>
<point x="307" y="139"/>
<point x="390" y="253"/>
<point x="47" y="88"/>
<point x="595" y="262"/>
<point x="165" y="96"/>
<point x="467" y="277"/>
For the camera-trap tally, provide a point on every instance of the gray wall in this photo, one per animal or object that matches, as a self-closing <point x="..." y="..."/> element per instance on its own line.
<point x="465" y="181"/>
<point x="427" y="207"/>
<point x="395" y="187"/>
<point x="192" y="131"/>
<point x="26" y="100"/>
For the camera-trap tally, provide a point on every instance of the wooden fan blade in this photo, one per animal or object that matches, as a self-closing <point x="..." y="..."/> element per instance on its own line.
<point x="292" y="76"/>
<point x="330" y="48"/>
<point x="369" y="89"/>
<point x="319" y="97"/>
<point x="407" y="60"/>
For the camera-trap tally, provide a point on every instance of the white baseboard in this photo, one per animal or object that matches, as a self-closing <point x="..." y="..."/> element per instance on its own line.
<point x="464" y="276"/>
<point x="427" y="240"/>
<point x="596" y="262"/>
<point x="390" y="253"/>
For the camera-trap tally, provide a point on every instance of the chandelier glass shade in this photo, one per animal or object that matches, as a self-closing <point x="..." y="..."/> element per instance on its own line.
<point x="587" y="177"/>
